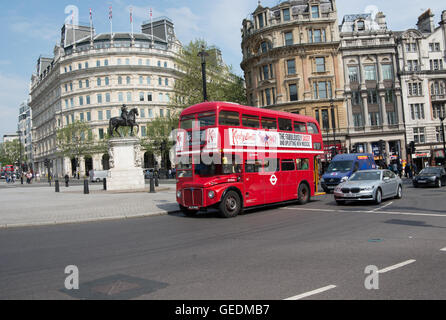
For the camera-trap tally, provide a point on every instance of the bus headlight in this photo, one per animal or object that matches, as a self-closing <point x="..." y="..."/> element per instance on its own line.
<point x="178" y="194"/>
<point x="211" y="194"/>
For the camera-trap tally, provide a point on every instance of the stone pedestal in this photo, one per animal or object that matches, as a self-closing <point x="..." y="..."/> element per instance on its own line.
<point x="125" y="165"/>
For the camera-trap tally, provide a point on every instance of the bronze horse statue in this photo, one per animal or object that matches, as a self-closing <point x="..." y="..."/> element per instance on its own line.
<point x="117" y="122"/>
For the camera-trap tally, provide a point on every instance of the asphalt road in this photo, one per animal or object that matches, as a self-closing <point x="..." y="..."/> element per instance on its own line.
<point x="316" y="251"/>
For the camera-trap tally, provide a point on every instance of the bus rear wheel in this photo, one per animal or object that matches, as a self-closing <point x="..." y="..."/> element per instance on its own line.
<point x="303" y="194"/>
<point x="231" y="205"/>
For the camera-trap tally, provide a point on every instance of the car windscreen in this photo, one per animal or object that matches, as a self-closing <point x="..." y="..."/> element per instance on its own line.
<point x="366" y="176"/>
<point x="430" y="171"/>
<point x="340" y="166"/>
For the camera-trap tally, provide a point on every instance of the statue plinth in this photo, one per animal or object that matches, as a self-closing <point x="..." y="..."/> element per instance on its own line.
<point x="125" y="165"/>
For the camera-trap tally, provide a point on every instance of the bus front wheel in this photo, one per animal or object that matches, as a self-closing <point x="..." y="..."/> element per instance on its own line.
<point x="230" y="205"/>
<point x="303" y="194"/>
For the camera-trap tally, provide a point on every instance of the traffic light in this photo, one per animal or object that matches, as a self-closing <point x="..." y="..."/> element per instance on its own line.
<point x="411" y="148"/>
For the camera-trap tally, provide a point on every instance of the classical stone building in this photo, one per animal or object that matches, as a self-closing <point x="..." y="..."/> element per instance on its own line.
<point x="90" y="77"/>
<point x="372" y="87"/>
<point x="24" y="127"/>
<point x="292" y="62"/>
<point x="422" y="68"/>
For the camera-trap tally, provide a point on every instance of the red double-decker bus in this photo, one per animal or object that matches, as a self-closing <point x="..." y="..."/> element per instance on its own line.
<point x="232" y="157"/>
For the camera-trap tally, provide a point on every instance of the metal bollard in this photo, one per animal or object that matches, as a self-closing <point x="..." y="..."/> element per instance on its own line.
<point x="86" y="190"/>
<point x="105" y="183"/>
<point x="57" y="186"/>
<point x="152" y="186"/>
<point x="66" y="183"/>
<point x="157" y="184"/>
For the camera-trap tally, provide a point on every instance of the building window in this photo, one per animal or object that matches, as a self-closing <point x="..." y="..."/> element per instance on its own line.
<point x="99" y="96"/>
<point x="71" y="86"/>
<point x="356" y="98"/>
<point x="88" y="99"/>
<point x="389" y="97"/>
<point x="107" y="81"/>
<point x="143" y="131"/>
<point x="415" y="89"/>
<point x="81" y="101"/>
<point x="160" y="97"/>
<point x="141" y="96"/>
<point x="98" y="82"/>
<point x="119" y="61"/>
<point x="88" y="116"/>
<point x="412" y="65"/>
<point x="101" y="133"/>
<point x="148" y="81"/>
<point x="119" y="80"/>
<point x="357" y="120"/>
<point x="79" y="66"/>
<point x="289" y="39"/>
<point x="360" y="25"/>
<point x="106" y="62"/>
<point x="436" y="64"/>
<point x="438" y="110"/>
<point x="411" y="47"/>
<point x="87" y="83"/>
<point x="387" y="72"/>
<point x="160" y="81"/>
<point x="150" y="113"/>
<point x="391" y="117"/>
<point x="439" y="134"/>
<point x="143" y="113"/>
<point x="86" y="65"/>
<point x="291" y="67"/>
<point x="72" y="102"/>
<point x="417" y="111"/>
<point x="372" y="96"/>
<point x="374" y="118"/>
<point x="265" y="46"/>
<point x="370" y="72"/>
<point x="322" y="90"/>
<point x="165" y="64"/>
<point x="315" y="12"/>
<point x="418" y="135"/>
<point x="286" y="14"/>
<point x="100" y="115"/>
<point x="353" y="74"/>
<point x="140" y="62"/>
<point x="149" y="97"/>
<point x="128" y="80"/>
<point x="107" y="97"/>
<point x="127" y="61"/>
<point x="293" y="92"/>
<point x="266" y="72"/>
<point x="260" y="19"/>
<point x="66" y="104"/>
<point x="166" y="82"/>
<point x="81" y="116"/>
<point x="98" y="63"/>
<point x="320" y="64"/>
<point x="141" y="80"/>
<point x="161" y="113"/>
<point x="80" y="84"/>
<point x="129" y="97"/>
<point x="108" y="114"/>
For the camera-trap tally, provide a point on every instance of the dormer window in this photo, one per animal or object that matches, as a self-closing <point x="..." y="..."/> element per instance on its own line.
<point x="286" y="15"/>
<point x="315" y="12"/>
<point x="260" y="17"/>
<point x="360" y="25"/>
<point x="265" y="46"/>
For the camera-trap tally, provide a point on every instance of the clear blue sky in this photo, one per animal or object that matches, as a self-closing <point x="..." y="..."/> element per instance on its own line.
<point x="31" y="28"/>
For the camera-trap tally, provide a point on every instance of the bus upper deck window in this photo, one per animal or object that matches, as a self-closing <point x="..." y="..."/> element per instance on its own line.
<point x="312" y="128"/>
<point x="229" y="118"/>
<point x="206" y="119"/>
<point x="300" y="127"/>
<point x="269" y="123"/>
<point x="250" y="121"/>
<point x="187" y="121"/>
<point x="285" y="124"/>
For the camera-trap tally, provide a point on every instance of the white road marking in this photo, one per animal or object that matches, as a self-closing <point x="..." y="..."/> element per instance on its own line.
<point x="362" y="211"/>
<point x="384" y="206"/>
<point x="311" y="293"/>
<point x="444" y="249"/>
<point x="396" y="266"/>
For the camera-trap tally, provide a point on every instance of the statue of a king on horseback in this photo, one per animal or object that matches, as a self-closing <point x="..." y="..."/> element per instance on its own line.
<point x="127" y="119"/>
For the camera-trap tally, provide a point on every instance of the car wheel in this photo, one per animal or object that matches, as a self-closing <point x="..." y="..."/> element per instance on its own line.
<point x="438" y="183"/>
<point x="187" y="212"/>
<point x="303" y="194"/>
<point x="378" y="196"/>
<point x="399" y="192"/>
<point x="231" y="205"/>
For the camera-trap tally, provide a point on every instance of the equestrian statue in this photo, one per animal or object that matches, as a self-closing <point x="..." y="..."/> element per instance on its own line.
<point x="127" y="119"/>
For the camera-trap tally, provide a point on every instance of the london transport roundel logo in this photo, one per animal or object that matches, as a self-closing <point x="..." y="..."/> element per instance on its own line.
<point x="273" y="180"/>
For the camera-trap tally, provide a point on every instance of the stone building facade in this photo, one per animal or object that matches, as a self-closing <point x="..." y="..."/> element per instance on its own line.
<point x="292" y="63"/>
<point x="422" y="68"/>
<point x="372" y="87"/>
<point x="90" y="77"/>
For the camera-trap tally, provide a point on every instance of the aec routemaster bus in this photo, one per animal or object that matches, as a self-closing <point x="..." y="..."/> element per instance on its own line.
<point x="232" y="157"/>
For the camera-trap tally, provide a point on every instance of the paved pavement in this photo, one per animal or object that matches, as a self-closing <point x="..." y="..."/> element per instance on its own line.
<point x="39" y="204"/>
<point x="316" y="251"/>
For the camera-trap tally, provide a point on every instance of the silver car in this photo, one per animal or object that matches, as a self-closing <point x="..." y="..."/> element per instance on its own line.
<point x="371" y="185"/>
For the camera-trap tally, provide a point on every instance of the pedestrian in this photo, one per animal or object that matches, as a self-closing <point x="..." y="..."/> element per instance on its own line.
<point x="170" y="174"/>
<point x="67" y="179"/>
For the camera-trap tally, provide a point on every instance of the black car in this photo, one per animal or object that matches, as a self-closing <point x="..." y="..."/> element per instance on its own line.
<point x="430" y="176"/>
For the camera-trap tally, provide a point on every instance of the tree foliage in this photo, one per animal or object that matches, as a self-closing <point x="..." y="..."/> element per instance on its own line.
<point x="222" y="83"/>
<point x="77" y="140"/>
<point x="158" y="134"/>
<point x="10" y="152"/>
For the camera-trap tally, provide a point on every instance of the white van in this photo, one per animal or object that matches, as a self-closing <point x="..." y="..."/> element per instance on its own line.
<point x="98" y="175"/>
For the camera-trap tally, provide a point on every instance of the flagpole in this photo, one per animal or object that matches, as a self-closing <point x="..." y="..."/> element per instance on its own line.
<point x="151" y="23"/>
<point x="131" y="19"/>
<point x="111" y="23"/>
<point x="91" y="26"/>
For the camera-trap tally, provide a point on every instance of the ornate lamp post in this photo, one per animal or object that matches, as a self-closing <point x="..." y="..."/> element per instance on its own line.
<point x="203" y="54"/>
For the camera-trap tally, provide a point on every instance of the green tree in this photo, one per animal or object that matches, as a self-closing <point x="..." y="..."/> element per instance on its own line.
<point x="10" y="152"/>
<point x="77" y="140"/>
<point x="222" y="83"/>
<point x="158" y="139"/>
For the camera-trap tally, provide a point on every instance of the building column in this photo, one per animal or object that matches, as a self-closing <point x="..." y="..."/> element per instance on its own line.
<point x="382" y="97"/>
<point x="350" y="124"/>
<point x="365" y="108"/>
<point x="399" y="107"/>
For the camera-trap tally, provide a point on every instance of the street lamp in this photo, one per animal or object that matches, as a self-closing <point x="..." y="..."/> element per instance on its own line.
<point x="203" y="54"/>
<point x="442" y="117"/>
<point x="19" y="132"/>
